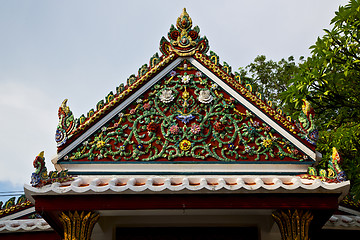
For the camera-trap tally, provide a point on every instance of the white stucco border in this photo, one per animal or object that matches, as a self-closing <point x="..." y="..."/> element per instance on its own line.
<point x="148" y="184"/>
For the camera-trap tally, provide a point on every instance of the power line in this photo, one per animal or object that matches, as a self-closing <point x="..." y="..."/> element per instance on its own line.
<point x="12" y="192"/>
<point x="11" y="195"/>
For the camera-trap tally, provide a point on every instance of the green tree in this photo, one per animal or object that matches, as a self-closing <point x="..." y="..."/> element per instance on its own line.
<point x="269" y="77"/>
<point x="330" y="80"/>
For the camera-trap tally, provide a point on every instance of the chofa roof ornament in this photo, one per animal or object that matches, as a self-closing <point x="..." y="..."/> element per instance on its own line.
<point x="333" y="173"/>
<point x="67" y="123"/>
<point x="184" y="40"/>
<point x="41" y="177"/>
<point x="306" y="125"/>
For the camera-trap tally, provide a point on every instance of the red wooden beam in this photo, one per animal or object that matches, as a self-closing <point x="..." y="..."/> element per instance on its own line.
<point x="45" y="203"/>
<point x="39" y="235"/>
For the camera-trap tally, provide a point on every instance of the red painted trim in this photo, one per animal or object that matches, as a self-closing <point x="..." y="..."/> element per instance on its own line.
<point x="41" y="235"/>
<point x="51" y="217"/>
<point x="185" y="201"/>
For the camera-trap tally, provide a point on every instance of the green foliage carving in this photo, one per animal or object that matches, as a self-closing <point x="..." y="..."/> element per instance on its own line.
<point x="131" y="80"/>
<point x="227" y="68"/>
<point x="142" y="70"/>
<point x="155" y="59"/>
<point x="99" y="105"/>
<point x="120" y="88"/>
<point x="185" y="116"/>
<point x="214" y="57"/>
<point x="109" y="97"/>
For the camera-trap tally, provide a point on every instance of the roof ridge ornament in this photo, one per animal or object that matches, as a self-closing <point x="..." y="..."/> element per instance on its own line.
<point x="184" y="40"/>
<point x="41" y="176"/>
<point x="12" y="205"/>
<point x="184" y="22"/>
<point x="306" y="124"/>
<point x="67" y="123"/>
<point x="334" y="173"/>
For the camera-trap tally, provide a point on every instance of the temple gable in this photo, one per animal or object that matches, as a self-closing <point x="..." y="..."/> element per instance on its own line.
<point x="184" y="107"/>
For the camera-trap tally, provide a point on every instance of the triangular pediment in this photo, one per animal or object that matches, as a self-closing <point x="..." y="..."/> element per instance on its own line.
<point x="184" y="108"/>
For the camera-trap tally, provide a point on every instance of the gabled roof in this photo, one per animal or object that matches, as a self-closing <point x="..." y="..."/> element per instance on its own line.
<point x="185" y="107"/>
<point x="349" y="202"/>
<point x="14" y="209"/>
<point x="28" y="225"/>
<point x="343" y="222"/>
<point x="20" y="216"/>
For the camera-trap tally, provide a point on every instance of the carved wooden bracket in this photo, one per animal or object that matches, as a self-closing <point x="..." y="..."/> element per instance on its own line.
<point x="293" y="224"/>
<point x="78" y="226"/>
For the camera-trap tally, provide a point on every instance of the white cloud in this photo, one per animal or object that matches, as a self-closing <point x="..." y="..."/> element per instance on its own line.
<point x="25" y="121"/>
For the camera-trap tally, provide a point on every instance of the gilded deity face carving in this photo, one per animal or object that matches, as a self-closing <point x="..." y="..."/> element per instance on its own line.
<point x="205" y="96"/>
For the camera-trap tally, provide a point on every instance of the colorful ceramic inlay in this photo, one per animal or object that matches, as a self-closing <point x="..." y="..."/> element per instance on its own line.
<point x="41" y="177"/>
<point x="185" y="117"/>
<point x="333" y="173"/>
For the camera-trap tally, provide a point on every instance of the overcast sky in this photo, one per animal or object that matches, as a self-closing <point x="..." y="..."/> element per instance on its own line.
<point x="82" y="50"/>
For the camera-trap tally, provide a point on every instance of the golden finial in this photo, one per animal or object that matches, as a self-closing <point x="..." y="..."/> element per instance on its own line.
<point x="184" y="40"/>
<point x="306" y="107"/>
<point x="335" y="155"/>
<point x="65" y="108"/>
<point x="184" y="22"/>
<point x="41" y="154"/>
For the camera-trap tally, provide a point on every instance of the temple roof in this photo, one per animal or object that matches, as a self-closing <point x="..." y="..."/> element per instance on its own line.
<point x="13" y="208"/>
<point x="185" y="107"/>
<point x="348" y="222"/>
<point x="27" y="225"/>
<point x="20" y="216"/>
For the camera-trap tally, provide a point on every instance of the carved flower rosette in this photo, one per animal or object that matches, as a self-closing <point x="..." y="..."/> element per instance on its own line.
<point x="205" y="96"/>
<point x="166" y="96"/>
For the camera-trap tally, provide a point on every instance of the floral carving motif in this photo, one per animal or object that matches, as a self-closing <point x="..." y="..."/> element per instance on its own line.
<point x="195" y="128"/>
<point x="166" y="96"/>
<point x="147" y="106"/>
<point x="174" y="129"/>
<point x="185" y="118"/>
<point x="205" y="96"/>
<point x="152" y="127"/>
<point x="185" y="145"/>
<point x="219" y="127"/>
<point x="185" y="78"/>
